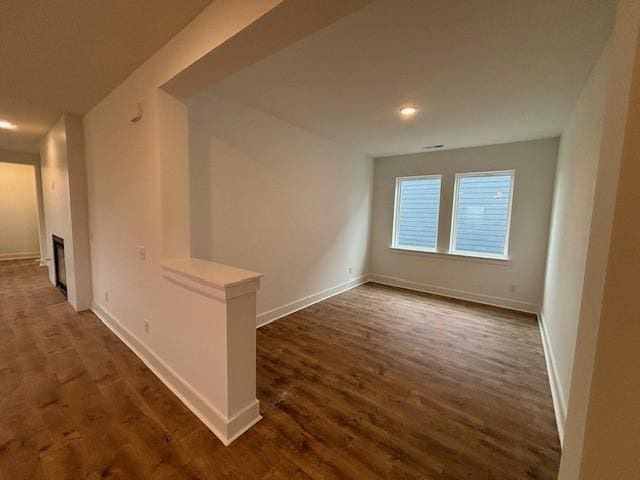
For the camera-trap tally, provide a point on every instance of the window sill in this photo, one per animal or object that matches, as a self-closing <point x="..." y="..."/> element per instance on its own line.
<point x="453" y="256"/>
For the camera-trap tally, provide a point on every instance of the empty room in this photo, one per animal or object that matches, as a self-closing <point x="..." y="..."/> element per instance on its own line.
<point x="319" y="239"/>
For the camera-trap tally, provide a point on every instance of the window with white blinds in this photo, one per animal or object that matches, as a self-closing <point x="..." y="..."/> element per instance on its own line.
<point x="416" y="212"/>
<point x="482" y="214"/>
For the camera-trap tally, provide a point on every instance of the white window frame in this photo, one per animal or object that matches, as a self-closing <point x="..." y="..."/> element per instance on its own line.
<point x="396" y="205"/>
<point x="454" y="214"/>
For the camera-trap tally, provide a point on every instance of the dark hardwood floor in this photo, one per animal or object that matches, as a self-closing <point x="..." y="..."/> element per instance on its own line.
<point x="374" y="383"/>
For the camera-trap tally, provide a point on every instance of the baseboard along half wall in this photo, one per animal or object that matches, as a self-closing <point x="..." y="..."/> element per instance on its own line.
<point x="453" y="293"/>
<point x="559" y="403"/>
<point x="19" y="256"/>
<point x="272" y="315"/>
<point x="226" y="429"/>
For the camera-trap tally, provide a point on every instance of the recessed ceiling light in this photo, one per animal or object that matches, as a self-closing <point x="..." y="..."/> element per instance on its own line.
<point x="7" y="125"/>
<point x="408" y="111"/>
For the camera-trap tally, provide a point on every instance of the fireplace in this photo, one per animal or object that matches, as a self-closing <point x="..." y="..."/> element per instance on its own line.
<point x="58" y="264"/>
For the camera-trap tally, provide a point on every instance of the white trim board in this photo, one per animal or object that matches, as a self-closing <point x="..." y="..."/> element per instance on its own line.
<point x="19" y="256"/>
<point x="453" y="293"/>
<point x="226" y="429"/>
<point x="559" y="403"/>
<point x="272" y="315"/>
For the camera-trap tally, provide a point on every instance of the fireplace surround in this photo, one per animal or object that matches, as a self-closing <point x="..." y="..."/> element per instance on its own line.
<point x="59" y="264"/>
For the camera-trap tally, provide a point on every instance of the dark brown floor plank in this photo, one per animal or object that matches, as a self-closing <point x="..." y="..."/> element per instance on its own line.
<point x="373" y="383"/>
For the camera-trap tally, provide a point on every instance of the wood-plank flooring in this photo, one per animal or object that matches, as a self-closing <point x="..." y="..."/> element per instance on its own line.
<point x="373" y="383"/>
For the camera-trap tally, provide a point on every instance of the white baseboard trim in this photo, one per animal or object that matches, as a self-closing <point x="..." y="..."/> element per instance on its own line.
<point x="453" y="293"/>
<point x="559" y="404"/>
<point x="226" y="429"/>
<point x="19" y="256"/>
<point x="272" y="315"/>
<point x="243" y="421"/>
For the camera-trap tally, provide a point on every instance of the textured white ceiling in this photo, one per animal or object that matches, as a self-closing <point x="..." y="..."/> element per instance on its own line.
<point x="65" y="56"/>
<point x="482" y="72"/>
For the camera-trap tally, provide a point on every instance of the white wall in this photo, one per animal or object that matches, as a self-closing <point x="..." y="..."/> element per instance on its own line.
<point x="271" y="197"/>
<point x="18" y="211"/>
<point x="125" y="190"/>
<point x="23" y="158"/>
<point x="602" y="396"/>
<point x="138" y="189"/>
<point x="65" y="205"/>
<point x="612" y="426"/>
<point x="55" y="189"/>
<point x="569" y="236"/>
<point x="138" y="192"/>
<point x="483" y="280"/>
<point x="79" y="213"/>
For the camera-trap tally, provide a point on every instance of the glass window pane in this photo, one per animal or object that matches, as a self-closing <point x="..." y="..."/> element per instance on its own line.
<point x="417" y="211"/>
<point x="483" y="206"/>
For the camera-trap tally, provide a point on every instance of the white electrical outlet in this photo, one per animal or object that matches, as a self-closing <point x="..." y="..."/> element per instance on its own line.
<point x="512" y="288"/>
<point x="350" y="270"/>
<point x="106" y="296"/>
<point x="146" y="325"/>
<point x="142" y="252"/>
